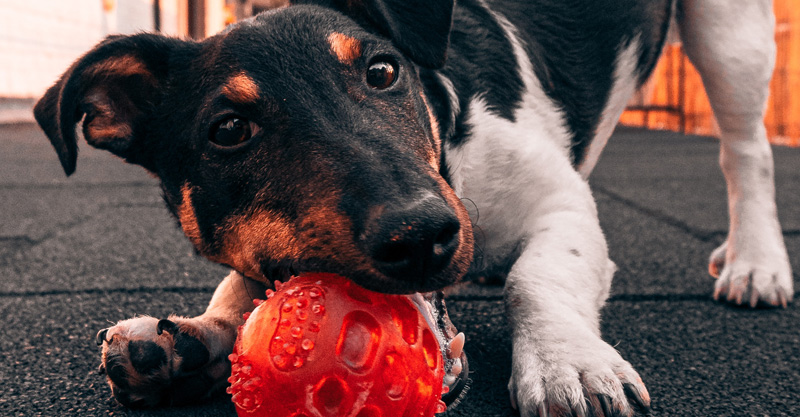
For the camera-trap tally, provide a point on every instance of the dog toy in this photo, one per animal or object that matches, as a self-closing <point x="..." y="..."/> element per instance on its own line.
<point x="320" y="345"/>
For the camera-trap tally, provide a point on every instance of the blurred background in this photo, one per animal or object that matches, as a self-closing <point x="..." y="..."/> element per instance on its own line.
<point x="39" y="39"/>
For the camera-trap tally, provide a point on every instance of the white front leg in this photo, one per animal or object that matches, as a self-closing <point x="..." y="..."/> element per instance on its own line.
<point x="553" y="295"/>
<point x="536" y="213"/>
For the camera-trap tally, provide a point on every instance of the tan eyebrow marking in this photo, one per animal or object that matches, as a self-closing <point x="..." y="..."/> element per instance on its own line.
<point x="346" y="48"/>
<point x="241" y="88"/>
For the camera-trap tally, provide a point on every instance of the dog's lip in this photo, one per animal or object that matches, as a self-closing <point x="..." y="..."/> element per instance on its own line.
<point x="451" y="342"/>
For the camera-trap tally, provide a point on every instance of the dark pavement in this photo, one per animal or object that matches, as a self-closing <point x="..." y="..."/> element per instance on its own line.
<point x="77" y="254"/>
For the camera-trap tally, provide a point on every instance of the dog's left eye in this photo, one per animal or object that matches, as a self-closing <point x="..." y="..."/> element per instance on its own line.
<point x="232" y="131"/>
<point x="381" y="74"/>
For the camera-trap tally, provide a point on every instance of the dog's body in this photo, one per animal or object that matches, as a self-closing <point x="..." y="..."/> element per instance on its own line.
<point x="304" y="140"/>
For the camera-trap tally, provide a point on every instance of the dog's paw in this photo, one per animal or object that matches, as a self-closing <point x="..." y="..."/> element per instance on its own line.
<point x="753" y="279"/>
<point x="150" y="362"/>
<point x="566" y="378"/>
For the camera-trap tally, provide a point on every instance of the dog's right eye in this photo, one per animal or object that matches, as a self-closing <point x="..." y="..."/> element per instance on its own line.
<point x="381" y="74"/>
<point x="232" y="131"/>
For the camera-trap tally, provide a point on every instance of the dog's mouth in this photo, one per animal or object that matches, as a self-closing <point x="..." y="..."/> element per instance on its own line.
<point x="451" y="342"/>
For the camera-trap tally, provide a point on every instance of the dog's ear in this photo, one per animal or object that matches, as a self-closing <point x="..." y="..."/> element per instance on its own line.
<point x="115" y="85"/>
<point x="420" y="28"/>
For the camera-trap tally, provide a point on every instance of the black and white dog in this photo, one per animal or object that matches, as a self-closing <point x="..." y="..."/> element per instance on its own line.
<point x="341" y="136"/>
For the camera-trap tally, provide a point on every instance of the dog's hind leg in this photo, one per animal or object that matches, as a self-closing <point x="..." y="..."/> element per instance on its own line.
<point x="731" y="42"/>
<point x="179" y="360"/>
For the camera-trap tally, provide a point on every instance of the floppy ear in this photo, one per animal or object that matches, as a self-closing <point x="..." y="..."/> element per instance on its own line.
<point x="115" y="85"/>
<point x="420" y="28"/>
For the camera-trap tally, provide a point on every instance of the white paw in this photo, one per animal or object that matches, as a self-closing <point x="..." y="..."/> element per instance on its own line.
<point x="754" y="277"/>
<point x="574" y="378"/>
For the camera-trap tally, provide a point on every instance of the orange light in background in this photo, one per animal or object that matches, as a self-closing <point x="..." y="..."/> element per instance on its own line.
<point x="230" y="14"/>
<point x="674" y="98"/>
<point x="109" y="5"/>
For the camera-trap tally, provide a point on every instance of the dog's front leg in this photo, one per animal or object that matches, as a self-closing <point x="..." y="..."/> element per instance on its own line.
<point x="560" y="364"/>
<point x="178" y="360"/>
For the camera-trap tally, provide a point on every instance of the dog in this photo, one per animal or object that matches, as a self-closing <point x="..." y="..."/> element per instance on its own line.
<point x="342" y="136"/>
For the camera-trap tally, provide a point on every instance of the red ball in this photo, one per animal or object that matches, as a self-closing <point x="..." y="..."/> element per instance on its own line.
<point x="321" y="346"/>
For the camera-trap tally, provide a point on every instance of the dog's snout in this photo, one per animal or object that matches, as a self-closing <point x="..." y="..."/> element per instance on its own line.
<point x="414" y="242"/>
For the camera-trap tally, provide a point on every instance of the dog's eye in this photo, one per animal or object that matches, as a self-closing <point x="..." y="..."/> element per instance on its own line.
<point x="232" y="131"/>
<point x="381" y="74"/>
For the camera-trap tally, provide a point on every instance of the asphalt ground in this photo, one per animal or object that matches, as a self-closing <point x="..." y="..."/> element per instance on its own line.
<point x="79" y="253"/>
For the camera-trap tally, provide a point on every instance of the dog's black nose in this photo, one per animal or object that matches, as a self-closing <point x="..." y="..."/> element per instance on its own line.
<point x="414" y="242"/>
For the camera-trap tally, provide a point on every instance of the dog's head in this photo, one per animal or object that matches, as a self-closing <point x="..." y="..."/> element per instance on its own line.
<point x="300" y="140"/>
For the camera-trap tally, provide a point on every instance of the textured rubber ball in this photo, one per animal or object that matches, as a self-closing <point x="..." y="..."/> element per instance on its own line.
<point x="320" y="345"/>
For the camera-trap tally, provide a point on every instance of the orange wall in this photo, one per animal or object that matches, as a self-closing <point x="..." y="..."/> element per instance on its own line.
<point x="685" y="95"/>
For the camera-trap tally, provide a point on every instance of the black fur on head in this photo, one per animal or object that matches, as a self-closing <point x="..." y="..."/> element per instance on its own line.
<point x="302" y="139"/>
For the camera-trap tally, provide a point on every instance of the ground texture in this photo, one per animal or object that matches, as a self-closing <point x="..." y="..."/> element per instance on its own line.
<point x="79" y="253"/>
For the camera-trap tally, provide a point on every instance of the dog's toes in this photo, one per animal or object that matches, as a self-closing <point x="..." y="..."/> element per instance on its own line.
<point x="149" y="362"/>
<point x="753" y="289"/>
<point x="762" y="279"/>
<point x="596" y="383"/>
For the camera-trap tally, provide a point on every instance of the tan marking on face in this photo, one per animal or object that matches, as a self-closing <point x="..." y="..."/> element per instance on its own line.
<point x="249" y="238"/>
<point x="329" y="237"/>
<point x="242" y="89"/>
<point x="322" y="232"/>
<point x="188" y="218"/>
<point x="331" y="233"/>
<point x="437" y="141"/>
<point x="345" y="48"/>
<point x="462" y="258"/>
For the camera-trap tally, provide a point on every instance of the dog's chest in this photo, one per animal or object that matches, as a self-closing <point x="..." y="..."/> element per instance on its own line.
<point x="512" y="164"/>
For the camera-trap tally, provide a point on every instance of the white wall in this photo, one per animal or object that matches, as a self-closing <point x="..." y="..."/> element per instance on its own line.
<point x="39" y="39"/>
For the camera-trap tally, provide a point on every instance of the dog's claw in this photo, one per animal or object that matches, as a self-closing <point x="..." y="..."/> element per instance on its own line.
<point x="782" y="299"/>
<point x="605" y="404"/>
<point x="753" y="298"/>
<point x="165" y="325"/>
<point x="719" y="290"/>
<point x="633" y="394"/>
<point x="101" y="337"/>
